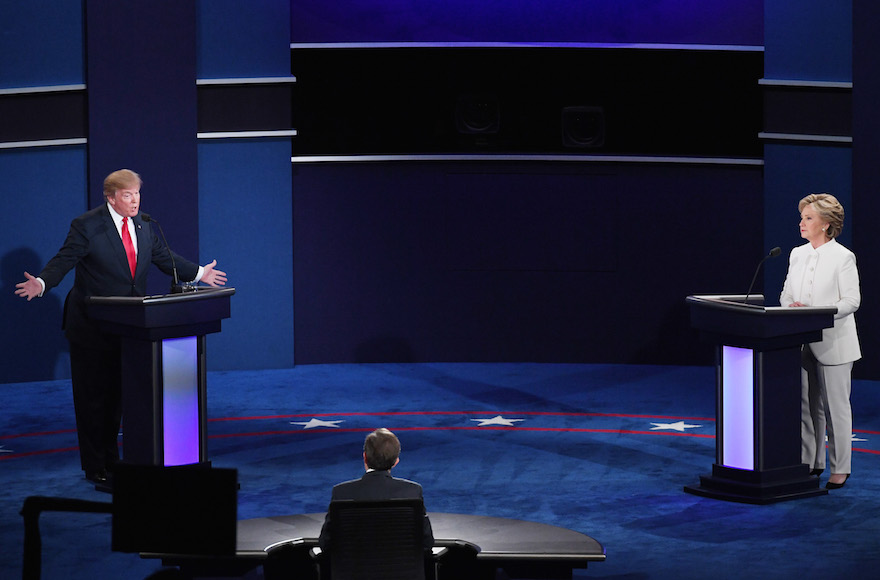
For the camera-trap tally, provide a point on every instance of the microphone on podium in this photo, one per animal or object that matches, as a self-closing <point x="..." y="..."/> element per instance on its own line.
<point x="773" y="253"/>
<point x="176" y="288"/>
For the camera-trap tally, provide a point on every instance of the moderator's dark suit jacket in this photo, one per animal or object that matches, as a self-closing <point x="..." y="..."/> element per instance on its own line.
<point x="94" y="248"/>
<point x="376" y="485"/>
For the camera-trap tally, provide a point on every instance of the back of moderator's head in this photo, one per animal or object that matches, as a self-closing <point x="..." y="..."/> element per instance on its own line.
<point x="381" y="449"/>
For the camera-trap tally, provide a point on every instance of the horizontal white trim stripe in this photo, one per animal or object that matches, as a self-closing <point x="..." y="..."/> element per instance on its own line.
<point x="246" y="134"/>
<point x="805" y="138"/>
<point x="805" y="84"/>
<point x="520" y="157"/>
<point x="714" y="47"/>
<point x="247" y="81"/>
<point x="43" y="143"/>
<point x="47" y="89"/>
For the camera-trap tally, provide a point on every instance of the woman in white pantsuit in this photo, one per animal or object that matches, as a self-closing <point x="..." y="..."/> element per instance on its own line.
<point x="823" y="273"/>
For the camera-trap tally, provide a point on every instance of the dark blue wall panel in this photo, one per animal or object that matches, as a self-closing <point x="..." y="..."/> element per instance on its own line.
<point x="41" y="43"/>
<point x="245" y="223"/>
<point x="808" y="40"/>
<point x="731" y="22"/>
<point x="515" y="262"/>
<point x="866" y="175"/>
<point x="243" y="39"/>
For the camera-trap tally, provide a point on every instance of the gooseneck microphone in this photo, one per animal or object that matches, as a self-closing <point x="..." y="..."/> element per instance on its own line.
<point x="176" y="288"/>
<point x="773" y="253"/>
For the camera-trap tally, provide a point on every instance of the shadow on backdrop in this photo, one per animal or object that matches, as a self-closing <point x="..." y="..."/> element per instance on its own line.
<point x="32" y="341"/>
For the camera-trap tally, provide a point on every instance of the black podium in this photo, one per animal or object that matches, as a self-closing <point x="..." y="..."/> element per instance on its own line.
<point x="758" y="405"/>
<point x="164" y="390"/>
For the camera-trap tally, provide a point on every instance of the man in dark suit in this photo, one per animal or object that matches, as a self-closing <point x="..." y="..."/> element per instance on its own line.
<point x="381" y="453"/>
<point x="111" y="248"/>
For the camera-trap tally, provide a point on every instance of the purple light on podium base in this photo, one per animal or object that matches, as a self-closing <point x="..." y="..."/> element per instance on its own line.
<point x="180" y="423"/>
<point x="737" y="408"/>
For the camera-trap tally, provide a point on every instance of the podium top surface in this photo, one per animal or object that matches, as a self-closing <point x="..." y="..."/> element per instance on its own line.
<point x="733" y="321"/>
<point x="201" y="293"/>
<point x="755" y="305"/>
<point x="163" y="316"/>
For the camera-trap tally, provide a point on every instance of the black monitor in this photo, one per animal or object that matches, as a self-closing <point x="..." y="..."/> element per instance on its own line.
<point x="188" y="510"/>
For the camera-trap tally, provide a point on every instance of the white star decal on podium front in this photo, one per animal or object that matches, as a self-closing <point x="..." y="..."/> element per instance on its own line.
<point x="855" y="438"/>
<point x="677" y="426"/>
<point x="312" y="423"/>
<point x="4" y="450"/>
<point x="497" y="420"/>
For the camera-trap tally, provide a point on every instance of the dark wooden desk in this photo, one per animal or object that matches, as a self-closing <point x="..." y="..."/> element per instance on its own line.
<point x="481" y="544"/>
<point x="521" y="548"/>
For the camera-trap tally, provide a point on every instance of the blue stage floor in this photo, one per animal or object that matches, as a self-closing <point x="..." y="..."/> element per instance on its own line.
<point x="601" y="449"/>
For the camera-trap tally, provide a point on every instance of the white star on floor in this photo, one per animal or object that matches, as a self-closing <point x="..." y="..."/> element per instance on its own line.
<point x="312" y="423"/>
<point x="496" y="420"/>
<point x="677" y="426"/>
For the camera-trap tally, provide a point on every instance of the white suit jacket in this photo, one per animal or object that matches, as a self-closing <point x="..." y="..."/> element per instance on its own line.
<point x="827" y="276"/>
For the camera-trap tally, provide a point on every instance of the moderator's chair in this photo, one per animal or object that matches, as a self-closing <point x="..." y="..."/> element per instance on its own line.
<point x="378" y="540"/>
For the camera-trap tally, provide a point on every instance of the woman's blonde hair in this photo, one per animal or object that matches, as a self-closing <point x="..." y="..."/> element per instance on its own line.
<point x="828" y="208"/>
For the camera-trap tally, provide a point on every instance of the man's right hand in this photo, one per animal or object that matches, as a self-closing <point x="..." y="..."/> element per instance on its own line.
<point x="30" y="288"/>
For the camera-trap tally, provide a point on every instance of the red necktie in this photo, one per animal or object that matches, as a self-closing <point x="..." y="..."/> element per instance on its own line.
<point x="129" y="247"/>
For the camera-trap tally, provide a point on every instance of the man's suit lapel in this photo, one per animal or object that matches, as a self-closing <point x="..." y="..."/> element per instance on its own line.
<point x="144" y="243"/>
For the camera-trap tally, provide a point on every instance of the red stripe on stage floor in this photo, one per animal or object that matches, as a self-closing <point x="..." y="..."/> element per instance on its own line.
<point x="40" y="452"/>
<point x="367" y="429"/>
<point x="871" y="451"/>
<point x="474" y="428"/>
<point x="37" y="433"/>
<point x="428" y="413"/>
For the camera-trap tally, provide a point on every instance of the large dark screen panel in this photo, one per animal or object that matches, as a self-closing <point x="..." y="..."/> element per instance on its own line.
<point x="474" y="100"/>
